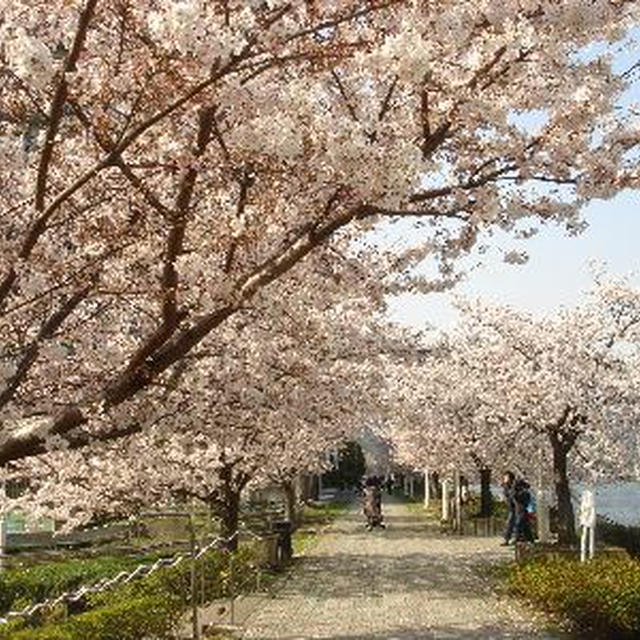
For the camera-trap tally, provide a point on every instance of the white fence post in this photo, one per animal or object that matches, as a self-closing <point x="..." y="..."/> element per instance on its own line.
<point x="445" y="500"/>
<point x="3" y="525"/>
<point x="457" y="505"/>
<point x="3" y="539"/>
<point x="542" y="516"/>
<point x="588" y="524"/>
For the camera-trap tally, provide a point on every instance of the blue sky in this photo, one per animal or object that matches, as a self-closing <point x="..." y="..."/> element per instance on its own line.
<point x="556" y="274"/>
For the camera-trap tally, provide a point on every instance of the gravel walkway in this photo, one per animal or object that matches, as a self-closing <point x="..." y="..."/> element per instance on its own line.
<point x="403" y="583"/>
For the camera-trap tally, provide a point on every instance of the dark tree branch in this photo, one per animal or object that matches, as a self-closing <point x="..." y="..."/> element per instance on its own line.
<point x="47" y="331"/>
<point x="343" y="92"/>
<point x="171" y="316"/>
<point x="59" y="99"/>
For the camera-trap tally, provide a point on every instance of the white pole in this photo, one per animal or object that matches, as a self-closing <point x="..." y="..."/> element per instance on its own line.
<point x="411" y="493"/>
<point x="3" y="539"/>
<point x="592" y="528"/>
<point x="405" y="481"/>
<point x="3" y="525"/>
<point x="445" y="500"/>
<point x="427" y="488"/>
<point x="457" y="501"/>
<point x="587" y="524"/>
<point x="542" y="516"/>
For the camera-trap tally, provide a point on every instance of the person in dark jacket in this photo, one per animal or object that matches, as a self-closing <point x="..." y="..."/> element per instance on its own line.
<point x="508" y="489"/>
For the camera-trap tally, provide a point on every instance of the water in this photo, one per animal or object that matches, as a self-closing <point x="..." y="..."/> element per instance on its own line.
<point x="618" y="501"/>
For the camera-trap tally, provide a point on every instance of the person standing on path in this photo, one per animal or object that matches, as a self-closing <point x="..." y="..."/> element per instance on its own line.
<point x="372" y="506"/>
<point x="508" y="488"/>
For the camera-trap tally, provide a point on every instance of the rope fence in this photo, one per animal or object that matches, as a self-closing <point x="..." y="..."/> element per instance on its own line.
<point x="124" y="577"/>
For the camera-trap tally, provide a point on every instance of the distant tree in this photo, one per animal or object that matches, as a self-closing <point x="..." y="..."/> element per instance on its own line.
<point x="350" y="468"/>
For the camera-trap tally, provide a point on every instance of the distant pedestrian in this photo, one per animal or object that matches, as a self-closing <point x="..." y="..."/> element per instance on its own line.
<point x="372" y="504"/>
<point x="508" y="489"/>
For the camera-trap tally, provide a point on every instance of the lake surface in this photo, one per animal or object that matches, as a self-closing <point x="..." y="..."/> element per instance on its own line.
<point x="618" y="501"/>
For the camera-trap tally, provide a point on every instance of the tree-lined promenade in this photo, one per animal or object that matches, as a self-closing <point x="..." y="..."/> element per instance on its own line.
<point x="166" y="163"/>
<point x="195" y="265"/>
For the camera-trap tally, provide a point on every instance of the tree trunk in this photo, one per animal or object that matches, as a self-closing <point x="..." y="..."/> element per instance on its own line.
<point x="229" y="513"/>
<point x="566" y="519"/>
<point x="289" y="491"/>
<point x="226" y="505"/>
<point x="486" y="499"/>
<point x="436" y="489"/>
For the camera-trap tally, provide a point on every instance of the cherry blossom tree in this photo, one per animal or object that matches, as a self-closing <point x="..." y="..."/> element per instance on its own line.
<point x="165" y="161"/>
<point x="247" y="412"/>
<point x="505" y="384"/>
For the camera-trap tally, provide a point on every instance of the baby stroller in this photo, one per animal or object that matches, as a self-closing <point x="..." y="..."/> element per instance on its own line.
<point x="372" y="507"/>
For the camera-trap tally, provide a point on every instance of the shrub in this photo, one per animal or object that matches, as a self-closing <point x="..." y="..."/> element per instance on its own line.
<point x="20" y="587"/>
<point x="148" y="607"/>
<point x="153" y="616"/>
<point x="599" y="599"/>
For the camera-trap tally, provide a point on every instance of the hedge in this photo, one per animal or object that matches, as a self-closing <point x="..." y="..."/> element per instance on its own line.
<point x="150" y="616"/>
<point x="597" y="599"/>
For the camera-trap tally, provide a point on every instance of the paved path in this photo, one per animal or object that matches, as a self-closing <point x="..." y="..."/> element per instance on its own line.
<point x="402" y="583"/>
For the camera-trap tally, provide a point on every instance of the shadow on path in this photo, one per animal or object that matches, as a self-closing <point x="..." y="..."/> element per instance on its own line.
<point x="403" y="583"/>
